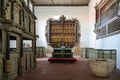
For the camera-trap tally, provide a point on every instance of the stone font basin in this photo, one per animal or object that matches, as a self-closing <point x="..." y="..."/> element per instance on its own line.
<point x="101" y="67"/>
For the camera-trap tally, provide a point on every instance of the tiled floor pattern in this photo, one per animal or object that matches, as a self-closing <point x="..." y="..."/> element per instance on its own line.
<point x="65" y="71"/>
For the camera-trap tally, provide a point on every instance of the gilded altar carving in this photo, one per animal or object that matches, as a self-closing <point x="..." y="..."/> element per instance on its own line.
<point x="62" y="31"/>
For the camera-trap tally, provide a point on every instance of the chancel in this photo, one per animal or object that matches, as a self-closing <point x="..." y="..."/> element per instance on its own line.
<point x="62" y="34"/>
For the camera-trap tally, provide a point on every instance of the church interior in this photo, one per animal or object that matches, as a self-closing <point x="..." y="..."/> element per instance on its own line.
<point x="59" y="39"/>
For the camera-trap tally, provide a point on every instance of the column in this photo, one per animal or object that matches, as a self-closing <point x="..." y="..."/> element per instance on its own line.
<point x="34" y="49"/>
<point x="2" y="8"/>
<point x="12" y="10"/>
<point x="22" y="71"/>
<point x="7" y="74"/>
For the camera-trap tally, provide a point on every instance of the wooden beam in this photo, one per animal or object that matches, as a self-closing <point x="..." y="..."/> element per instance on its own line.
<point x="61" y="5"/>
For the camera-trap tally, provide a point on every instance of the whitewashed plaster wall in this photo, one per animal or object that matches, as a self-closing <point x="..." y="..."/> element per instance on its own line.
<point x="44" y="13"/>
<point x="112" y="42"/>
<point x="92" y="38"/>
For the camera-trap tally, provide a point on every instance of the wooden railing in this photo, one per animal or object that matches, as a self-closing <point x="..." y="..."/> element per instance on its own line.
<point x="92" y="53"/>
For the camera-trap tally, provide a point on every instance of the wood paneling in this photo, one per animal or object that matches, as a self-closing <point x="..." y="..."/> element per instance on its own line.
<point x="107" y="18"/>
<point x="108" y="11"/>
<point x="114" y="26"/>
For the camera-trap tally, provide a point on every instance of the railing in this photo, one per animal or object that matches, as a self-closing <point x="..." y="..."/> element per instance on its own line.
<point x="92" y="53"/>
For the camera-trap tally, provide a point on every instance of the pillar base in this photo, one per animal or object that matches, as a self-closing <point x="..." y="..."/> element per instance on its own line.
<point x="7" y="76"/>
<point x="22" y="71"/>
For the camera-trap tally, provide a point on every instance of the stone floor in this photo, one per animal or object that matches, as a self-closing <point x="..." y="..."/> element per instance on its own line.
<point x="65" y="71"/>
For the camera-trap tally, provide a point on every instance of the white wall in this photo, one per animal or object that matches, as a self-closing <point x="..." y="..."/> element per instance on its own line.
<point x="112" y="42"/>
<point x="44" y="13"/>
<point x="92" y="38"/>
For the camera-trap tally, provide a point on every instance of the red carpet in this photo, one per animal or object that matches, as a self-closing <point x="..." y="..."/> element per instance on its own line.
<point x="62" y="59"/>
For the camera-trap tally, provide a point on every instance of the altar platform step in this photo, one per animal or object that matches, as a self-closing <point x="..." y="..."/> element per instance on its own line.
<point x="62" y="59"/>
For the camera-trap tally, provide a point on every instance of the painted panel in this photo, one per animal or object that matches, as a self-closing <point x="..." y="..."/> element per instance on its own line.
<point x="114" y="26"/>
<point x="14" y="64"/>
<point x="14" y="67"/>
<point x="32" y="60"/>
<point x="25" y="63"/>
<point x="28" y="62"/>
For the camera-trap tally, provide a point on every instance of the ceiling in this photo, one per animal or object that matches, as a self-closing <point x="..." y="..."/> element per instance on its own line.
<point x="61" y="2"/>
